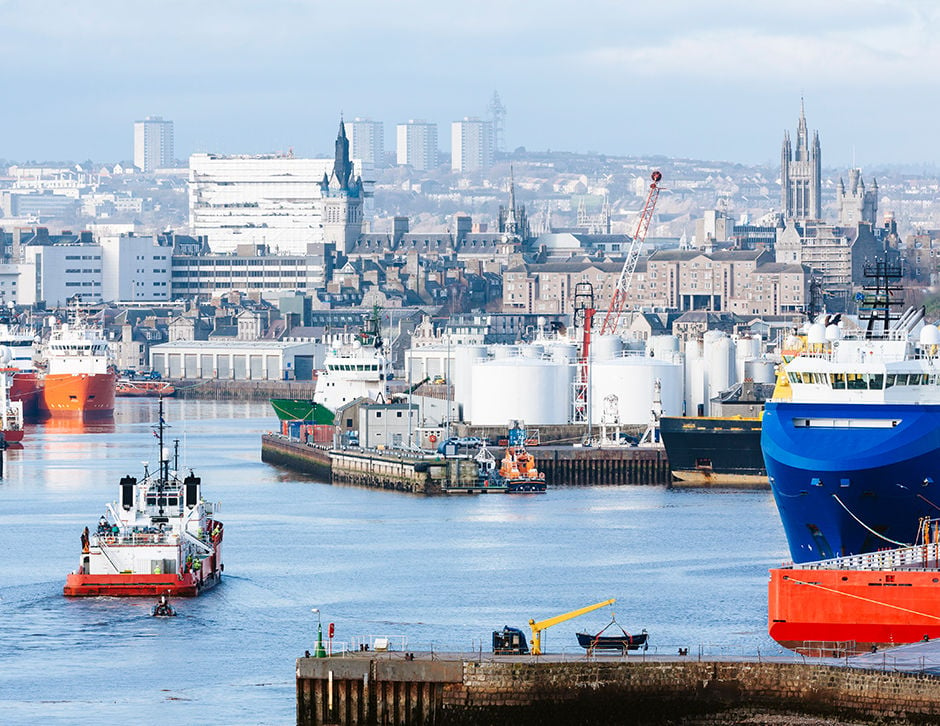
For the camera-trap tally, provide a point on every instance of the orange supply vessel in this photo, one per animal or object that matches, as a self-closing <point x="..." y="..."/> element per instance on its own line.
<point x="859" y="603"/>
<point x="80" y="379"/>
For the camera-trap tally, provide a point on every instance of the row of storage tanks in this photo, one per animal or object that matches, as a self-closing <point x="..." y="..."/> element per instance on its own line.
<point x="535" y="382"/>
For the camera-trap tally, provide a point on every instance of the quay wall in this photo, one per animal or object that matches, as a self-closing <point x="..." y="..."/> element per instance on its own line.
<point x="362" y="690"/>
<point x="562" y="466"/>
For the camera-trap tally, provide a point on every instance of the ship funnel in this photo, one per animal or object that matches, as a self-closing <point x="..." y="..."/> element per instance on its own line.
<point x="127" y="492"/>
<point x="192" y="490"/>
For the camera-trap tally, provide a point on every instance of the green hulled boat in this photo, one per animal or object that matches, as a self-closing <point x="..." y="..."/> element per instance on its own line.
<point x="301" y="409"/>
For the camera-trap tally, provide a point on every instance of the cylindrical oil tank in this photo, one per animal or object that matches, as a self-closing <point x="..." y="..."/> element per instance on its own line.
<point x="606" y="347"/>
<point x="465" y="357"/>
<point x="760" y="370"/>
<point x="562" y="352"/>
<point x="696" y="401"/>
<point x="504" y="351"/>
<point x="633" y="380"/>
<point x="719" y="363"/>
<point x="528" y="389"/>
<point x="746" y="347"/>
<point x="663" y="347"/>
<point x="531" y="350"/>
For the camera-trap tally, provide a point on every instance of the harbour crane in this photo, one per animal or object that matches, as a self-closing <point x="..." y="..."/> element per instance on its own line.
<point x="511" y="641"/>
<point x="612" y="318"/>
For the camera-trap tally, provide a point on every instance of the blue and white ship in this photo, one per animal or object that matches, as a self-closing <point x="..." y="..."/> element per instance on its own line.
<point x="853" y="455"/>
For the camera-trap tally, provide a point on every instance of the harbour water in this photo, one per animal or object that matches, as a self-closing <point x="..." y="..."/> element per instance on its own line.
<point x="690" y="566"/>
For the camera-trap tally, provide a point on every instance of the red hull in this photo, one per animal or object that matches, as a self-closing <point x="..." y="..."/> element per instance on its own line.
<point x="26" y="387"/>
<point x="13" y="436"/>
<point x="78" y="396"/>
<point x="854" y="609"/>
<point x="187" y="585"/>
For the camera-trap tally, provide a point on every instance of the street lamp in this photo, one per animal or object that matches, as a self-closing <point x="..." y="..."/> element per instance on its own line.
<point x="320" y="651"/>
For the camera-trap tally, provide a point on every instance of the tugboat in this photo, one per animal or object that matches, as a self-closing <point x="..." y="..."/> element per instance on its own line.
<point x="160" y="539"/>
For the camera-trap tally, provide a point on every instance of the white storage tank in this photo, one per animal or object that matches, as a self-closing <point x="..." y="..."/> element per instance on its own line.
<point x="606" y="347"/>
<point x="529" y="389"/>
<point x="563" y="352"/>
<point x="504" y="351"/>
<point x="760" y="370"/>
<point x="465" y="357"/>
<point x="633" y="379"/>
<point x="746" y="347"/>
<point x="719" y="363"/>
<point x="664" y="347"/>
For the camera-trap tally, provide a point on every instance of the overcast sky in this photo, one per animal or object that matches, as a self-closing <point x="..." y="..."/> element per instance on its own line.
<point x="710" y="80"/>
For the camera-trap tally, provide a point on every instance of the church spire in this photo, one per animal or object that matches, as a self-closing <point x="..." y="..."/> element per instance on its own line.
<point x="342" y="167"/>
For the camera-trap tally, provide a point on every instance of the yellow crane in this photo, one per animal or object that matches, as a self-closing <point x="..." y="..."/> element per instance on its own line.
<point x="538" y="627"/>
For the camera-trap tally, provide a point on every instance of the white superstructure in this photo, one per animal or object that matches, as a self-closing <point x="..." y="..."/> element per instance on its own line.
<point x="76" y="348"/>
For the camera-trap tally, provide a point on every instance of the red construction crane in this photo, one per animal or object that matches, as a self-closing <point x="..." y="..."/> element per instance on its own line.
<point x="612" y="318"/>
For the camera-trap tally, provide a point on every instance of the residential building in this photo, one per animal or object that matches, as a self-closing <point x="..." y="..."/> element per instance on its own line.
<point x="471" y="145"/>
<point x="153" y="144"/>
<point x="366" y="141"/>
<point x="416" y="145"/>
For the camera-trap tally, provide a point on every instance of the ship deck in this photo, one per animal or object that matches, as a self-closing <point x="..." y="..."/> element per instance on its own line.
<point x="918" y="557"/>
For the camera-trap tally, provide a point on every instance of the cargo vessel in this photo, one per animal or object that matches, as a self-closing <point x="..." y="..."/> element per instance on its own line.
<point x="159" y="538"/>
<point x="853" y="455"/>
<point x="720" y="450"/>
<point x="79" y="380"/>
<point x="854" y="604"/>
<point x="301" y="409"/>
<point x="714" y="451"/>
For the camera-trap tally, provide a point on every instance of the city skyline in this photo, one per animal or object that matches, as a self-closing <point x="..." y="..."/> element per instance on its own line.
<point x="670" y="79"/>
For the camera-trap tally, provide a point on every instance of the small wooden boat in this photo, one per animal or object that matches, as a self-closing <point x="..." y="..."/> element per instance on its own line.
<point x="621" y="643"/>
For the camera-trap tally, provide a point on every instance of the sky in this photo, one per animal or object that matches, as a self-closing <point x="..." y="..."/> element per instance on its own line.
<point x="718" y="80"/>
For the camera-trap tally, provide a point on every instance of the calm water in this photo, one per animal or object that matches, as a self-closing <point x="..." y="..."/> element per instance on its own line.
<point x="690" y="566"/>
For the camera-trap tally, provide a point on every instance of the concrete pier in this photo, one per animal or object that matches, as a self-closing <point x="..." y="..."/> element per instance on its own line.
<point x="395" y="690"/>
<point x="562" y="466"/>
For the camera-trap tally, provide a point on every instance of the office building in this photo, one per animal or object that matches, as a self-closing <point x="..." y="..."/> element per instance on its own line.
<point x="366" y="141"/>
<point x="416" y="145"/>
<point x="471" y="145"/>
<point x="153" y="144"/>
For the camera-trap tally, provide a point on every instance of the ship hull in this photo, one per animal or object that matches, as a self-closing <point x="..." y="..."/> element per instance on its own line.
<point x="140" y="585"/>
<point x="851" y="478"/>
<point x="86" y="396"/>
<point x="817" y="611"/>
<point x="26" y="388"/>
<point x="301" y="409"/>
<point x="714" y="451"/>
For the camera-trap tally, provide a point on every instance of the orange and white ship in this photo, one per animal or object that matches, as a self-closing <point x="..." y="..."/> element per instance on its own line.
<point x="160" y="538"/>
<point x="79" y="381"/>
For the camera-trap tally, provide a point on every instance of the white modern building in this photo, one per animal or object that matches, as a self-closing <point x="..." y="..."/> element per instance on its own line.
<point x="416" y="145"/>
<point x="135" y="269"/>
<point x="366" y="141"/>
<point x="153" y="144"/>
<point x="272" y="200"/>
<point x="471" y="145"/>
<point x="55" y="273"/>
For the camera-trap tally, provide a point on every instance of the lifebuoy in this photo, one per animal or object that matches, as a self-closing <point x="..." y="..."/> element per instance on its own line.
<point x="432" y="438"/>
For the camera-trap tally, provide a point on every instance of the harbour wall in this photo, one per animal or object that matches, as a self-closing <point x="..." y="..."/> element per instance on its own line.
<point x="375" y="469"/>
<point x="392" y="689"/>
<point x="562" y="466"/>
